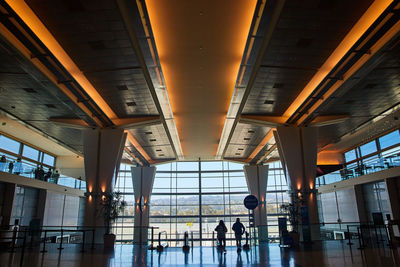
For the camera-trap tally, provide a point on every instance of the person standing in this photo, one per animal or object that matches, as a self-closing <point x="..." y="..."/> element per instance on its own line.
<point x="239" y="230"/>
<point x="221" y="234"/>
<point x="3" y="162"/>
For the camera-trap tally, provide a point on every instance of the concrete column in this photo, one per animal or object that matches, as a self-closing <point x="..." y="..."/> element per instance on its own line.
<point x="256" y="178"/>
<point x="392" y="186"/>
<point x="143" y="180"/>
<point x="360" y="202"/>
<point x="298" y="147"/>
<point x="102" y="147"/>
<point x="7" y="211"/>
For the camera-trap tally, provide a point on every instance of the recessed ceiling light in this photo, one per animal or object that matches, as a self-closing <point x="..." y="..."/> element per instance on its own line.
<point x="122" y="87"/>
<point x="161" y="155"/>
<point x="29" y="90"/>
<point x="97" y="45"/>
<point x="148" y="132"/>
<point x="304" y="42"/>
<point x="370" y="85"/>
<point x="158" y="150"/>
<point x="278" y="85"/>
<point x="240" y="149"/>
<point x="269" y="102"/>
<point x="251" y="131"/>
<point x="131" y="104"/>
<point x="50" y="106"/>
<point x="153" y="140"/>
<point x="238" y="154"/>
<point x="246" y="139"/>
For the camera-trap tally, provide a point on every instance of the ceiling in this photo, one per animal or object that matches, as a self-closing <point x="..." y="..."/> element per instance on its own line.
<point x="199" y="68"/>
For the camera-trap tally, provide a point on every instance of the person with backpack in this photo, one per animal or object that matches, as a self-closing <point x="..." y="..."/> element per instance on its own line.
<point x="221" y="234"/>
<point x="239" y="230"/>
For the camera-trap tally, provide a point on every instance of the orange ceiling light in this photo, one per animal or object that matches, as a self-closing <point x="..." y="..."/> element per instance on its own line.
<point x="367" y="19"/>
<point x="40" y="30"/>
<point x="200" y="46"/>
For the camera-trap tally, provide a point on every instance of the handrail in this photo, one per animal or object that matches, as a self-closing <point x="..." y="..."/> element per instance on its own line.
<point x="368" y="166"/>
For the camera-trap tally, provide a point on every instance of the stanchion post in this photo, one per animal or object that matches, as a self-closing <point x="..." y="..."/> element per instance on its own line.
<point x="44" y="242"/>
<point x="191" y="234"/>
<point x="23" y="248"/>
<point x="83" y="241"/>
<point x="93" y="238"/>
<point x="14" y="237"/>
<point x="348" y="232"/>
<point x="61" y="241"/>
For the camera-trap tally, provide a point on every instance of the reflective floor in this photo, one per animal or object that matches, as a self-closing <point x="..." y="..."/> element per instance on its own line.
<point x="330" y="253"/>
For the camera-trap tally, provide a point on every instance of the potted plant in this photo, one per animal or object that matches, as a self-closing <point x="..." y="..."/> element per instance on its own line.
<point x="292" y="210"/>
<point x="112" y="206"/>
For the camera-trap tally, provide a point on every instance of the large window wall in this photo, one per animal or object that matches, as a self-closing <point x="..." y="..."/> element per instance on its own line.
<point x="30" y="157"/>
<point x="386" y="146"/>
<point x="194" y="196"/>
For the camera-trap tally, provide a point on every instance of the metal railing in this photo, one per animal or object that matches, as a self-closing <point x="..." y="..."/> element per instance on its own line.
<point x="30" y="171"/>
<point x="368" y="166"/>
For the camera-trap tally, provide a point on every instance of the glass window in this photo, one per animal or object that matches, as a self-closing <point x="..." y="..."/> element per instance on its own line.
<point x="211" y="166"/>
<point x="368" y="148"/>
<point x="390" y="139"/>
<point x="48" y="160"/>
<point x="30" y="153"/>
<point x="350" y="155"/>
<point x="9" y="144"/>
<point x="188" y="166"/>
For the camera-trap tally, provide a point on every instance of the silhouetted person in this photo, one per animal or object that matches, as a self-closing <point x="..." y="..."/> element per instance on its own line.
<point x="221" y="234"/>
<point x="3" y="162"/>
<point x="239" y="230"/>
<point x="11" y="167"/>
<point x="41" y="173"/>
<point x="47" y="175"/>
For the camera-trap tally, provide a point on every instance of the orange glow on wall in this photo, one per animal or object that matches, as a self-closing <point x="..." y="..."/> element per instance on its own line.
<point x="200" y="72"/>
<point x="90" y="198"/>
<point x="368" y="18"/>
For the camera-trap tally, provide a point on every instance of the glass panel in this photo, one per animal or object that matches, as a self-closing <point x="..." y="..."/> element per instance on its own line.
<point x="350" y="155"/>
<point x="390" y="139"/>
<point x="9" y="144"/>
<point x="211" y="166"/>
<point x="48" y="160"/>
<point x="368" y="148"/>
<point x="188" y="166"/>
<point x="30" y="152"/>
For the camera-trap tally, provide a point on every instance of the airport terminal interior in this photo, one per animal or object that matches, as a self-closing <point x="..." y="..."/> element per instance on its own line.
<point x="199" y="133"/>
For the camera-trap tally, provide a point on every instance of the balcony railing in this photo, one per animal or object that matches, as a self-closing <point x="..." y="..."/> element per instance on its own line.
<point x="372" y="165"/>
<point x="30" y="171"/>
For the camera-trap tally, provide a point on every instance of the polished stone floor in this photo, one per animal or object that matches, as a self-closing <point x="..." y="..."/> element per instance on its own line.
<point x="330" y="253"/>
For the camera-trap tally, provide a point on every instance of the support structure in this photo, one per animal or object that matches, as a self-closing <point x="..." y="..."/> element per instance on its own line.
<point x="298" y="148"/>
<point x="142" y="179"/>
<point x="256" y="178"/>
<point x="102" y="149"/>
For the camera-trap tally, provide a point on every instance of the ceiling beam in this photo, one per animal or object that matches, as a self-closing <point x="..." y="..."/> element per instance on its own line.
<point x="235" y="111"/>
<point x="165" y="111"/>
<point x="129" y="123"/>
<point x="267" y="153"/>
<point x="268" y="137"/>
<point x="351" y="72"/>
<point x="138" y="147"/>
<point x="325" y="120"/>
<point x="70" y="123"/>
<point x="39" y="29"/>
<point x="261" y="120"/>
<point x="358" y="30"/>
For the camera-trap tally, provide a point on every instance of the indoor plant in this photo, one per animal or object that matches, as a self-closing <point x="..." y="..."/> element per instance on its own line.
<point x="112" y="206"/>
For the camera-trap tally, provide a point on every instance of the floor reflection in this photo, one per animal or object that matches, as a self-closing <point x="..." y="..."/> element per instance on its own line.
<point x="331" y="253"/>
